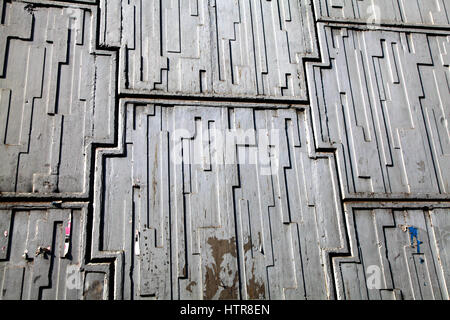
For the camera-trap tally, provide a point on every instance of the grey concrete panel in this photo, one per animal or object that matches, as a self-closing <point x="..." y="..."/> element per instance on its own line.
<point x="248" y="220"/>
<point x="397" y="252"/>
<point x="57" y="98"/>
<point x="43" y="253"/>
<point x="244" y="49"/>
<point x="433" y="13"/>
<point x="381" y="99"/>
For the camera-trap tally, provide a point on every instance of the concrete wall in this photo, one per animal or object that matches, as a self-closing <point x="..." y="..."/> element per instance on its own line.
<point x="224" y="149"/>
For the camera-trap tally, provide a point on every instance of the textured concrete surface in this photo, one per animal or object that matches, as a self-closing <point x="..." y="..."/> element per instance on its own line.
<point x="224" y="149"/>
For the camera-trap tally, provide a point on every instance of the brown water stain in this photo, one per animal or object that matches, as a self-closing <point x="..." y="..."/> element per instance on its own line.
<point x="190" y="285"/>
<point x="213" y="281"/>
<point x="255" y="289"/>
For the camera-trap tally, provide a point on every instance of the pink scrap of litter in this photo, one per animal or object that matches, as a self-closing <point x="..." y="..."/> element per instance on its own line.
<point x="68" y="229"/>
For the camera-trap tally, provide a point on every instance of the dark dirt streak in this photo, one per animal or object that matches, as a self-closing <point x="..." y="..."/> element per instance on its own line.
<point x="94" y="292"/>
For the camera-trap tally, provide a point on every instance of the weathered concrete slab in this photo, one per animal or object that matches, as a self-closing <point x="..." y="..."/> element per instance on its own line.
<point x="43" y="253"/>
<point x="57" y="98"/>
<point x="382" y="100"/>
<point x="250" y="220"/>
<point x="398" y="251"/>
<point x="395" y="12"/>
<point x="241" y="49"/>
